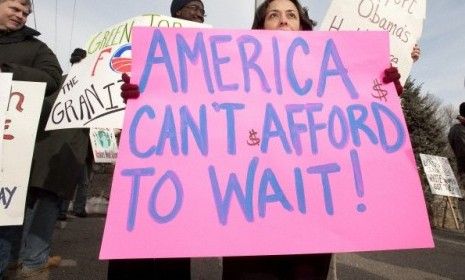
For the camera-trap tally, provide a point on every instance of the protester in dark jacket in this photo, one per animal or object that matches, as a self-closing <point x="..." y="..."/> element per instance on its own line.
<point x="457" y="142"/>
<point x="28" y="59"/>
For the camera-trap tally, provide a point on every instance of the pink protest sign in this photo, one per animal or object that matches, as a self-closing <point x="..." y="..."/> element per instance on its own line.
<point x="259" y="143"/>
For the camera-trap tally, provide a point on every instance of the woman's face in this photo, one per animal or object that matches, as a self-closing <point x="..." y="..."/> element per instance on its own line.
<point x="282" y="15"/>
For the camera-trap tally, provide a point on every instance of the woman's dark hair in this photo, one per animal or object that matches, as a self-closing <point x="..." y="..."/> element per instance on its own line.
<point x="306" y="23"/>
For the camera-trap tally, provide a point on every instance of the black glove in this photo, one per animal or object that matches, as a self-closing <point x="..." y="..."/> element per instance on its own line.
<point x="77" y="55"/>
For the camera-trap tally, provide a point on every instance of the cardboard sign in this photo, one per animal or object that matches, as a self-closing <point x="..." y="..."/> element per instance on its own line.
<point x="440" y="176"/>
<point x="104" y="146"/>
<point x="402" y="19"/>
<point x="90" y="96"/>
<point x="22" y="119"/>
<point x="262" y="143"/>
<point x="5" y="89"/>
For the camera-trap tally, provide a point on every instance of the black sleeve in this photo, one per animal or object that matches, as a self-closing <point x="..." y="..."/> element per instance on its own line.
<point x="45" y="68"/>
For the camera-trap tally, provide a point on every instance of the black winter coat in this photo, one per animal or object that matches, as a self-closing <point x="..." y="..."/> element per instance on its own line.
<point x="58" y="155"/>
<point x="457" y="142"/>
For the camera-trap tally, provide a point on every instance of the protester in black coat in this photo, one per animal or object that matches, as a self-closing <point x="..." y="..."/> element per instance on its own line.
<point x="28" y="59"/>
<point x="456" y="138"/>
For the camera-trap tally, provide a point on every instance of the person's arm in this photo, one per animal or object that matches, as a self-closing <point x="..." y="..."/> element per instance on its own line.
<point x="45" y="68"/>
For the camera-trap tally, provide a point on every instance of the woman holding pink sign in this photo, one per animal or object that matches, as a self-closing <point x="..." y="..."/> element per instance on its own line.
<point x="284" y="15"/>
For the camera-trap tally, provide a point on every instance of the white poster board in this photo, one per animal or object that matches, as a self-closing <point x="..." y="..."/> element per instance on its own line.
<point x="23" y="115"/>
<point x="90" y="96"/>
<point x="440" y="176"/>
<point x="104" y="145"/>
<point x="5" y="88"/>
<point x="402" y="19"/>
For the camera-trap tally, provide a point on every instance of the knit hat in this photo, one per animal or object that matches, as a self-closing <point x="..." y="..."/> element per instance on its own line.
<point x="177" y="5"/>
<point x="462" y="109"/>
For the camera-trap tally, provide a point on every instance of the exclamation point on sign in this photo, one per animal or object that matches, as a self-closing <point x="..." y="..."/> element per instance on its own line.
<point x="361" y="207"/>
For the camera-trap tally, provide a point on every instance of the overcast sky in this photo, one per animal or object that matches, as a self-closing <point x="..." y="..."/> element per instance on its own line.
<point x="441" y="68"/>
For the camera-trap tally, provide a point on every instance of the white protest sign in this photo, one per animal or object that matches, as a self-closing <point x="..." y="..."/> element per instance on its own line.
<point x="104" y="145"/>
<point x="23" y="115"/>
<point x="402" y="19"/>
<point x="440" y="176"/>
<point x="5" y="88"/>
<point x="90" y="96"/>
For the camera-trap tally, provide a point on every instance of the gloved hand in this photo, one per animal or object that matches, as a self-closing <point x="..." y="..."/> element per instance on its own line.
<point x="128" y="90"/>
<point x="77" y="55"/>
<point x="392" y="75"/>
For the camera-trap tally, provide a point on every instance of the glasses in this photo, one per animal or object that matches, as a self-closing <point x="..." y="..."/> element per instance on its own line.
<point x="196" y="9"/>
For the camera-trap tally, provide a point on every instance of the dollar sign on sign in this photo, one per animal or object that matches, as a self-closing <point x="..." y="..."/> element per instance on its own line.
<point x="380" y="92"/>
